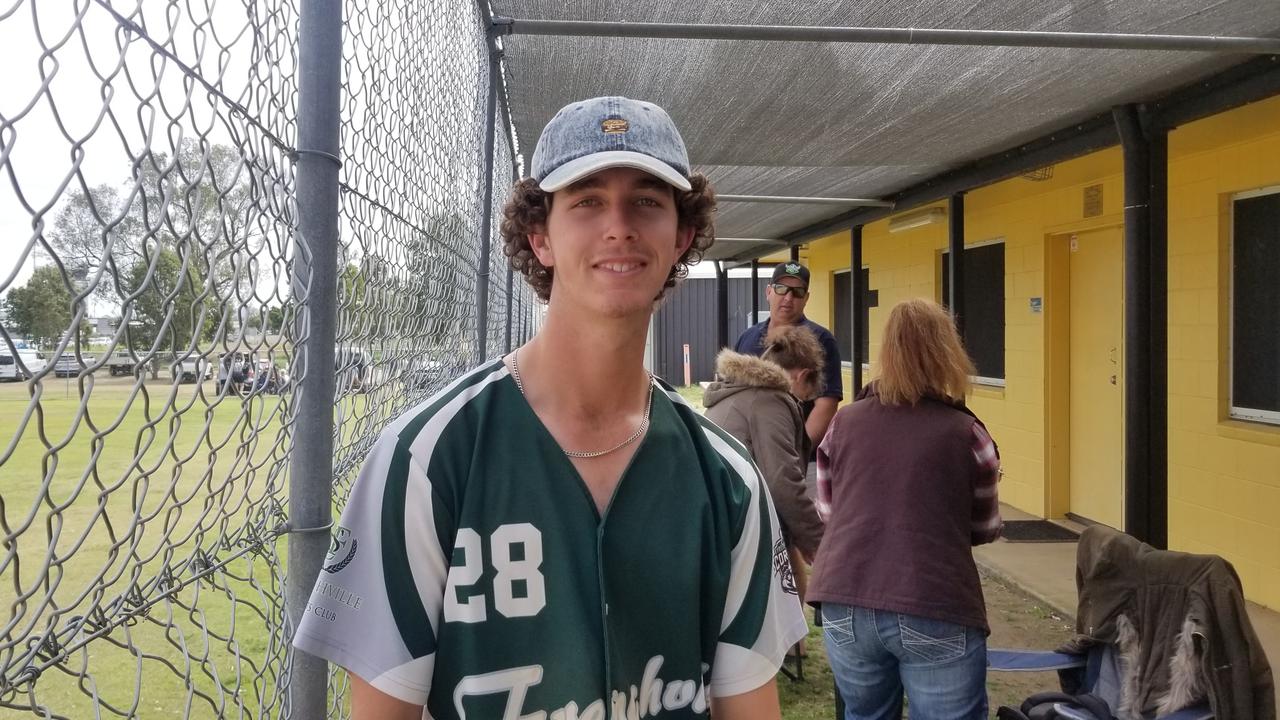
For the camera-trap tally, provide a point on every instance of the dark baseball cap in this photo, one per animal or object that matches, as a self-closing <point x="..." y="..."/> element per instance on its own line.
<point x="793" y="270"/>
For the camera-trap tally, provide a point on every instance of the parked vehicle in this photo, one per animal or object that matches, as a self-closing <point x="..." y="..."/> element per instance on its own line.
<point x="67" y="366"/>
<point x="33" y="360"/>
<point x="121" y="363"/>
<point x="191" y="369"/>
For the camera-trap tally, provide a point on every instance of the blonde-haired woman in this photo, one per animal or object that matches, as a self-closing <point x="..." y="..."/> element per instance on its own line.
<point x="907" y="480"/>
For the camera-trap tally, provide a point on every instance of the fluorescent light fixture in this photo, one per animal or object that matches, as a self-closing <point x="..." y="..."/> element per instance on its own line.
<point x="920" y="218"/>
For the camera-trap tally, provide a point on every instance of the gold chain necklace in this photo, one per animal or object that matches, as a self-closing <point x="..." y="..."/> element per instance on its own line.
<point x="644" y="423"/>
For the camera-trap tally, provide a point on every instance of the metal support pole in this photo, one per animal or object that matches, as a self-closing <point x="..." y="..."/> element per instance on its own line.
<point x="858" y="298"/>
<point x="722" y="306"/>
<point x="515" y="178"/>
<point x="486" y="193"/>
<point x="506" y="348"/>
<point x="795" y="253"/>
<point x="1145" y="395"/>
<point x="315" y="282"/>
<point x="1158" y="343"/>
<point x="955" y="259"/>
<point x="755" y="291"/>
<point x="805" y="200"/>
<point x="1137" y="318"/>
<point x="901" y="36"/>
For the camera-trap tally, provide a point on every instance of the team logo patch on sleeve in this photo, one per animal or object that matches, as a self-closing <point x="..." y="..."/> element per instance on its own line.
<point x="782" y="566"/>
<point x="341" y="545"/>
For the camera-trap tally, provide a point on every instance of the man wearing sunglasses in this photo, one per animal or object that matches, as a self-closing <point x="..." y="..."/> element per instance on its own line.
<point x="787" y="294"/>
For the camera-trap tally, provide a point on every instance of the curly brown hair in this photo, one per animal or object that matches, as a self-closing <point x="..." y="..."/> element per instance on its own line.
<point x="528" y="207"/>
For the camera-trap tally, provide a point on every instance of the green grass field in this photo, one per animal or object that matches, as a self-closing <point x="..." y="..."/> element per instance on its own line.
<point x="100" y="499"/>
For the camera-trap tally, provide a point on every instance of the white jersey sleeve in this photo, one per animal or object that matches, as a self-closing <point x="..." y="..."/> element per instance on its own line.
<point x="762" y="615"/>
<point x="376" y="604"/>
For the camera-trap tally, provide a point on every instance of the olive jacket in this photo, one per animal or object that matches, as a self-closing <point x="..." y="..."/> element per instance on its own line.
<point x="752" y="401"/>
<point x="1180" y="626"/>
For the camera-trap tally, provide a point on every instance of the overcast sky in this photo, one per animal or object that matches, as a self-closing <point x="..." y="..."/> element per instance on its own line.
<point x="55" y="56"/>
<point x="63" y="70"/>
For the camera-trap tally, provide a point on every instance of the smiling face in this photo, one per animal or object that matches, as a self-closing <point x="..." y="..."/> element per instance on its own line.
<point x="611" y="239"/>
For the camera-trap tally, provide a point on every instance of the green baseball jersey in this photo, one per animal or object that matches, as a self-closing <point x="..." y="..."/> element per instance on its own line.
<point x="472" y="572"/>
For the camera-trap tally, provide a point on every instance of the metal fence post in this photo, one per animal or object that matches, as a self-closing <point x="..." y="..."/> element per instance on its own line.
<point x="486" y="222"/>
<point x="315" y="261"/>
<point x="515" y="178"/>
<point x="510" y="277"/>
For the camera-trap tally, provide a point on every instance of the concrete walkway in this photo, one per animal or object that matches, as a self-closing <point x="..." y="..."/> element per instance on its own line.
<point x="1047" y="572"/>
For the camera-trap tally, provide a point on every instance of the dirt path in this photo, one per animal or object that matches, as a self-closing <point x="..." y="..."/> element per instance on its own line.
<point x="1019" y="621"/>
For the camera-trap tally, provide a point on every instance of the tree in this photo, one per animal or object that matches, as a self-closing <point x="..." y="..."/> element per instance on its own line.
<point x="275" y="319"/>
<point x="197" y="201"/>
<point x="42" y="309"/>
<point x="170" y="313"/>
<point x="201" y="198"/>
<point x="84" y="228"/>
<point x="269" y="319"/>
<point x="351" y="286"/>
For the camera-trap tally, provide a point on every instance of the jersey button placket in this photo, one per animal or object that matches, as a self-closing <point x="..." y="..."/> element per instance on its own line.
<point x="604" y="611"/>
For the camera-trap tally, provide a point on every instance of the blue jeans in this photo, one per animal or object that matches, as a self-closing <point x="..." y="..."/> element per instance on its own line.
<point x="875" y="654"/>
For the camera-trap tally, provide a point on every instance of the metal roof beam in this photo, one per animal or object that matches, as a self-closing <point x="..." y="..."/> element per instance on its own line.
<point x="790" y="200"/>
<point x="900" y="36"/>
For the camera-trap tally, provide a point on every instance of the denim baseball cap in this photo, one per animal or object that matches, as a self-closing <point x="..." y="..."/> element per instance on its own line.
<point x="605" y="132"/>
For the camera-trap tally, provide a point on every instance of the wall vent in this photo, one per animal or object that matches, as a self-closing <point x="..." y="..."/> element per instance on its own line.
<point x="1093" y="201"/>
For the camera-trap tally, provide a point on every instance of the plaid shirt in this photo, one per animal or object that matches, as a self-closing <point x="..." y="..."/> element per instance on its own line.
<point x="985" y="523"/>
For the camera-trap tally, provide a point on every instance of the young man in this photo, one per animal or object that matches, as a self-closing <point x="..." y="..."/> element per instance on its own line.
<point x="555" y="535"/>
<point x="787" y="294"/>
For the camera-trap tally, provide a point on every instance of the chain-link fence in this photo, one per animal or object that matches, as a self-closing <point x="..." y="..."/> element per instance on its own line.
<point x="162" y="304"/>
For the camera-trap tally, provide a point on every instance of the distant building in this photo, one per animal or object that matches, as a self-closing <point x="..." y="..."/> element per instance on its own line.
<point x="103" y="325"/>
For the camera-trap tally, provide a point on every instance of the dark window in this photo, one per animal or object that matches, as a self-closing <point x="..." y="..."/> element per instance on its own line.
<point x="844" y="308"/>
<point x="983" y="306"/>
<point x="1255" y="308"/>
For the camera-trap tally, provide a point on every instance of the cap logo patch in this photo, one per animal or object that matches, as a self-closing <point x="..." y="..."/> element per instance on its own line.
<point x="791" y="269"/>
<point x="613" y="126"/>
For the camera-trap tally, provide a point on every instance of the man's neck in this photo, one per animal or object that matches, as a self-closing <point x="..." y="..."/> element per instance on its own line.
<point x="771" y="324"/>
<point x="585" y="369"/>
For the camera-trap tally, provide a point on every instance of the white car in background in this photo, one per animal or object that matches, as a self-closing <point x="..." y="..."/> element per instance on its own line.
<point x="192" y="369"/>
<point x="34" y="361"/>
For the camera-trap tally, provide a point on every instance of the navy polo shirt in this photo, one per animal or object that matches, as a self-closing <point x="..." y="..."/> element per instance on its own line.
<point x="751" y="342"/>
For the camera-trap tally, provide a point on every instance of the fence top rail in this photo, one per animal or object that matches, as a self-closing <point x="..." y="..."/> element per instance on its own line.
<point x="890" y="35"/>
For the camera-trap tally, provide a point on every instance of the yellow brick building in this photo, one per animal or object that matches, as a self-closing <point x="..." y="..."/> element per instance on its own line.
<point x="1057" y="412"/>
